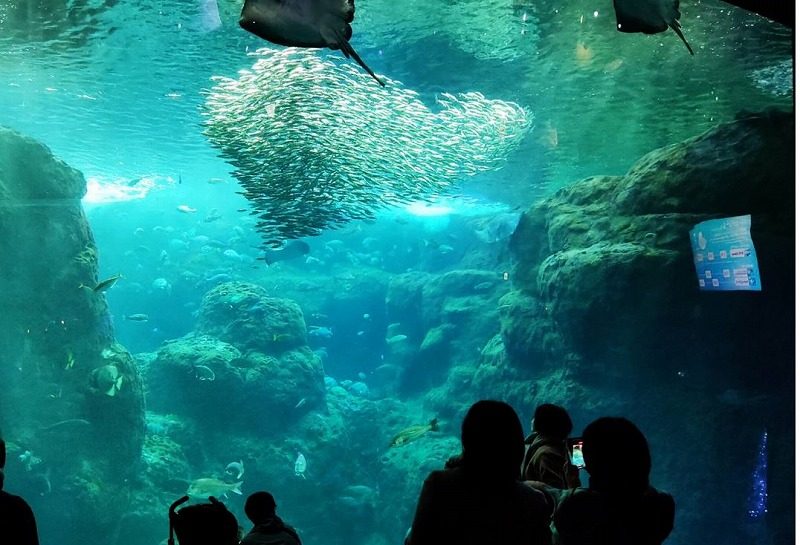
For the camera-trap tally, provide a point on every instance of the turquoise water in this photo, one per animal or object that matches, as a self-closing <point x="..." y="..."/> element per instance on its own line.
<point x="117" y="90"/>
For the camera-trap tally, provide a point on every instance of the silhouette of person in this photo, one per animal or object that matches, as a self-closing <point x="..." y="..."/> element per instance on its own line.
<point x="203" y="524"/>
<point x="268" y="528"/>
<point x="619" y="507"/>
<point x="547" y="455"/>
<point x="17" y="523"/>
<point x="478" y="498"/>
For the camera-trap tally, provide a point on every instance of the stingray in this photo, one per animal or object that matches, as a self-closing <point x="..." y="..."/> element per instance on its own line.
<point x="304" y="23"/>
<point x="649" y="17"/>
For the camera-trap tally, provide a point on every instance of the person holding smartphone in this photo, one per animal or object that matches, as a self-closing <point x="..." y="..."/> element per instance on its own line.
<point x="547" y="455"/>
<point x="619" y="507"/>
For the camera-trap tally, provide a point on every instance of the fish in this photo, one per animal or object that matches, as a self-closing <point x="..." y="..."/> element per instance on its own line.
<point x="417" y="149"/>
<point x="300" y="403"/>
<point x="304" y="23"/>
<point x="107" y="380"/>
<point x="70" y="360"/>
<point x="69" y="426"/>
<point x="205" y="487"/>
<point x="204" y="373"/>
<point x="186" y="209"/>
<point x="395" y="339"/>
<point x="413" y="433"/>
<point x="300" y="465"/>
<point x="235" y="468"/>
<point x="649" y="17"/>
<point x="103" y="285"/>
<point x="320" y="332"/>
<point x="136" y="317"/>
<point x="291" y="249"/>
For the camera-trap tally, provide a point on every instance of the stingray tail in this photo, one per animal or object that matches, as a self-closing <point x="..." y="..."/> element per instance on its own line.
<point x="348" y="51"/>
<point x="676" y="26"/>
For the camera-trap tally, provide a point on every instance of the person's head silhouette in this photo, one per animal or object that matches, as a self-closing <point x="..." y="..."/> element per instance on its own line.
<point x="552" y="421"/>
<point x="492" y="440"/>
<point x="205" y="524"/>
<point x="617" y="456"/>
<point x="260" y="507"/>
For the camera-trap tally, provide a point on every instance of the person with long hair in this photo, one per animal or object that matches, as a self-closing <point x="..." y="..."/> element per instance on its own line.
<point x="479" y="498"/>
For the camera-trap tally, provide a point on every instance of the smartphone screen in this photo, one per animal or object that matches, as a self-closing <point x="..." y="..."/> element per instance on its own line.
<point x="576" y="454"/>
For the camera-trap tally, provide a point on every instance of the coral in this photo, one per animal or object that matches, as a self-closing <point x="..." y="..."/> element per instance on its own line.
<point x="213" y="382"/>
<point x="245" y="316"/>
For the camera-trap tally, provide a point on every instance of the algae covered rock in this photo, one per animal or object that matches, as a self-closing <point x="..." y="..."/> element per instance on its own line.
<point x="607" y="259"/>
<point x="80" y="429"/>
<point x="243" y="315"/>
<point x="604" y="271"/>
<point x="529" y="336"/>
<point x="445" y="317"/>
<point x="212" y="381"/>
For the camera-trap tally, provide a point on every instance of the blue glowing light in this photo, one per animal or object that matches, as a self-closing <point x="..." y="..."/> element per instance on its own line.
<point x="757" y="505"/>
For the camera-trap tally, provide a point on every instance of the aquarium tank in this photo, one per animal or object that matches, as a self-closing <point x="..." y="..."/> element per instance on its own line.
<point x="233" y="263"/>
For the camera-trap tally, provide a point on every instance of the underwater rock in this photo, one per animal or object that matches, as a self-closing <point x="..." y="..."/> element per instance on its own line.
<point x="607" y="259"/>
<point x="463" y="303"/>
<point x="529" y="336"/>
<point x="56" y="334"/>
<point x="216" y="384"/>
<point x="604" y="269"/>
<point x="243" y="315"/>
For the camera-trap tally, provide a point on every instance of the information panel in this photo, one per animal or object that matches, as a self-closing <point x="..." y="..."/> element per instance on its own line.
<point x="724" y="255"/>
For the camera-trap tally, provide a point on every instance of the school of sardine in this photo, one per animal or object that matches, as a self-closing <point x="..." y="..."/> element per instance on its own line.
<point x="316" y="144"/>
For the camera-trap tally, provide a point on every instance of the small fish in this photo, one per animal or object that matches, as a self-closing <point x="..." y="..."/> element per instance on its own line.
<point x="320" y="332"/>
<point x="186" y="209"/>
<point x="300" y="465"/>
<point x="204" y="373"/>
<point x="70" y="360"/>
<point x="291" y="249"/>
<point x="649" y="17"/>
<point x="395" y="339"/>
<point x="483" y="286"/>
<point x="235" y="469"/>
<point x="281" y="337"/>
<point x="413" y="433"/>
<point x="136" y="317"/>
<point x="304" y="23"/>
<point x="103" y="285"/>
<point x="203" y="488"/>
<point x="212" y="216"/>
<point x="300" y="403"/>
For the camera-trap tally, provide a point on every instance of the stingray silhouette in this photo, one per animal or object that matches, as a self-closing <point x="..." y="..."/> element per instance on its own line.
<point x="649" y="17"/>
<point x="304" y="23"/>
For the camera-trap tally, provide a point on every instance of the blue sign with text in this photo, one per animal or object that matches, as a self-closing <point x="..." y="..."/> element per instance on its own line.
<point x="724" y="255"/>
